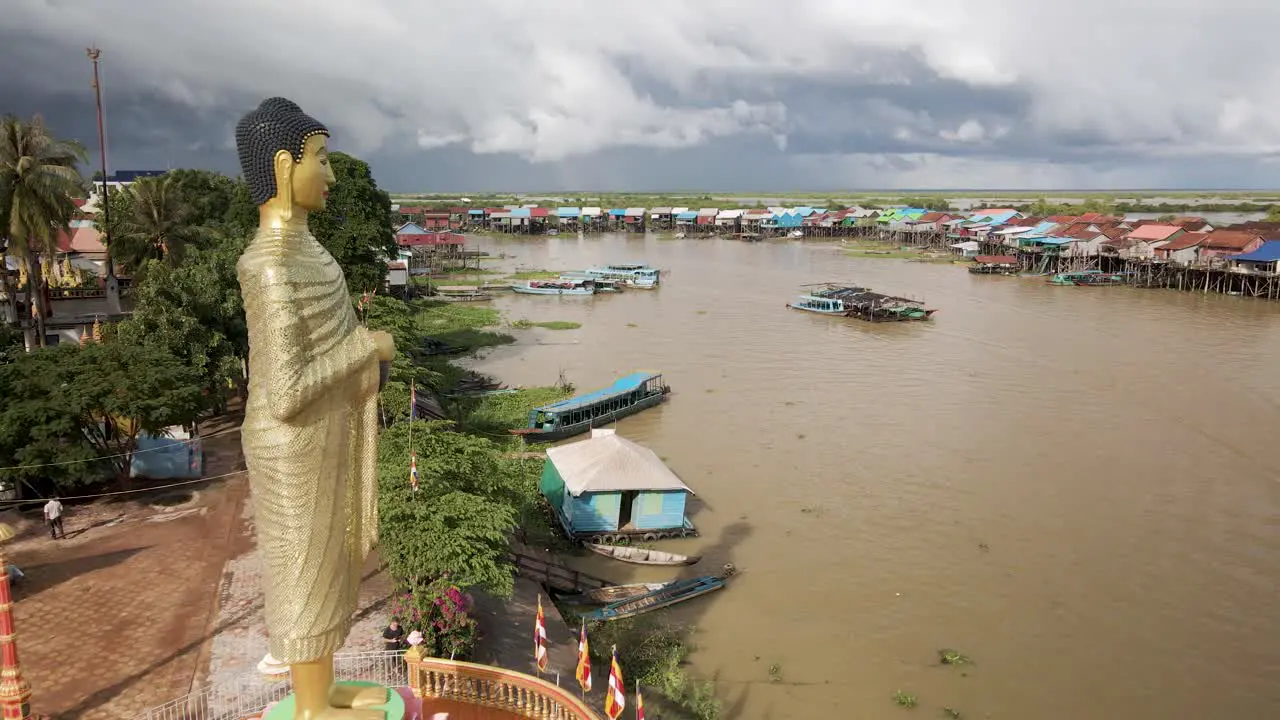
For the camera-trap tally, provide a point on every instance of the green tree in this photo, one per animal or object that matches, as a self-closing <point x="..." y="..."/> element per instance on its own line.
<point x="469" y="499"/>
<point x="356" y="225"/>
<point x="1273" y="213"/>
<point x="68" y="404"/>
<point x="38" y="179"/>
<point x="194" y="312"/>
<point x="157" y="222"/>
<point x="207" y="194"/>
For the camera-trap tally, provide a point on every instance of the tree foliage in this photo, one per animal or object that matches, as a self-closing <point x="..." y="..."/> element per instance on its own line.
<point x="356" y="224"/>
<point x="470" y="497"/>
<point x="68" y="404"/>
<point x="38" y="179"/>
<point x="1273" y="213"/>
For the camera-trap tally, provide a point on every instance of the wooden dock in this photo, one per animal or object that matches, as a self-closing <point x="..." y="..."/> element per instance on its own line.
<point x="543" y="568"/>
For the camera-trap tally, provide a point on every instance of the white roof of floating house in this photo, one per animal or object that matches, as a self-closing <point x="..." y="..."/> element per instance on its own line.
<point x="592" y="212"/>
<point x="610" y="463"/>
<point x="708" y="212"/>
<point x="730" y="214"/>
<point x="678" y="210"/>
<point x="634" y="212"/>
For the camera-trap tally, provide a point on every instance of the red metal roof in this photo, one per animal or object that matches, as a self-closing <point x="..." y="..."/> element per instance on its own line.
<point x="539" y="212"/>
<point x="458" y="210"/>
<point x="410" y="210"/>
<point x="1231" y="239"/>
<point x="442" y="238"/>
<point x="1183" y="241"/>
<point x="1061" y="218"/>
<point x="1153" y="232"/>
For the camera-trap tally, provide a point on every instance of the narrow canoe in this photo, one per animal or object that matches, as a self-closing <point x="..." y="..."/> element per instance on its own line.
<point x="613" y="593"/>
<point x="666" y="596"/>
<point x="642" y="556"/>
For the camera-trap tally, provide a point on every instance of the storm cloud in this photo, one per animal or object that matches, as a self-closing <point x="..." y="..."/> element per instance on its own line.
<point x="747" y="95"/>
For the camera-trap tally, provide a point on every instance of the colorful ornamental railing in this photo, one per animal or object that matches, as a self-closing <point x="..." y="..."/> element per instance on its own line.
<point x="492" y="687"/>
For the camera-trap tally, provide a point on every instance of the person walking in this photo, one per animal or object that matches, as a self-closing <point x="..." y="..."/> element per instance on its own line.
<point x="53" y="516"/>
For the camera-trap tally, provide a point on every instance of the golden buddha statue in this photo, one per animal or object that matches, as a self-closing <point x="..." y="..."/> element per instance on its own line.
<point x="310" y="427"/>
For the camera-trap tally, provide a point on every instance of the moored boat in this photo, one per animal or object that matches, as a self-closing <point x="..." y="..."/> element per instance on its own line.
<point x="642" y="556"/>
<point x="613" y="593"/>
<point x="602" y="286"/>
<point x="556" y="287"/>
<point x="676" y="592"/>
<point x="820" y="305"/>
<point x="632" y="274"/>
<point x="1087" y="278"/>
<point x="626" y="396"/>
<point x="994" y="265"/>
<point x="864" y="304"/>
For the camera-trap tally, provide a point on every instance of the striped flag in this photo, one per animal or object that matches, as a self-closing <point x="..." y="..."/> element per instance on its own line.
<point x="615" y="698"/>
<point x="413" y="480"/>
<point x="540" y="640"/>
<point x="583" y="672"/>
<point x="639" y="703"/>
<point x="413" y="401"/>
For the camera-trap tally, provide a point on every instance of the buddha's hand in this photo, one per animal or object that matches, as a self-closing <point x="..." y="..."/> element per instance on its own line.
<point x="385" y="344"/>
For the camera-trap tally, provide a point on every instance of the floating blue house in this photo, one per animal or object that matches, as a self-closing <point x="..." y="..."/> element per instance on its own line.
<point x="608" y="487"/>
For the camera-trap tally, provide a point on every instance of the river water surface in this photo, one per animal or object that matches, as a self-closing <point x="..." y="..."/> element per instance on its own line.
<point x="1075" y="487"/>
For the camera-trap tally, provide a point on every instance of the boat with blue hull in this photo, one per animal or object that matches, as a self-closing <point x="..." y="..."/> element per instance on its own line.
<point x="631" y="274"/>
<point x="556" y="287"/>
<point x="665" y="596"/>
<point x="860" y="302"/>
<point x="626" y="396"/>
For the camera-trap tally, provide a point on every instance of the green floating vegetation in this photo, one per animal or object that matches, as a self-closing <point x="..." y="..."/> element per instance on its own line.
<point x="535" y="275"/>
<point x="500" y="412"/>
<point x="953" y="657"/>
<point x="905" y="700"/>
<point x="548" y="324"/>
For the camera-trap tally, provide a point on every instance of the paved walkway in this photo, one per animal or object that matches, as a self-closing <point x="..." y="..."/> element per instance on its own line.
<point x="111" y="620"/>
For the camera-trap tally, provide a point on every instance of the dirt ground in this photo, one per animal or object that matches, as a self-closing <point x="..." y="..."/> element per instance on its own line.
<point x="116" y="618"/>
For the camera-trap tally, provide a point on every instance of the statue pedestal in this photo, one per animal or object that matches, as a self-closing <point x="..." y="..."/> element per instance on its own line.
<point x="393" y="709"/>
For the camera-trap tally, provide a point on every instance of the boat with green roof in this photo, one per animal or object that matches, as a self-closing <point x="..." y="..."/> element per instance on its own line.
<point x="626" y="396"/>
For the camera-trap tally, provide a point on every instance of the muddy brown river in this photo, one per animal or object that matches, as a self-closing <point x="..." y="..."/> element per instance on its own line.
<point x="1075" y="487"/>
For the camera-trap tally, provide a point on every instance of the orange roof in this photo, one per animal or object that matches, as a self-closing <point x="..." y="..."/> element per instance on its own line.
<point x="87" y="240"/>
<point x="1183" y="241"/>
<point x="1153" y="232"/>
<point x="1230" y="239"/>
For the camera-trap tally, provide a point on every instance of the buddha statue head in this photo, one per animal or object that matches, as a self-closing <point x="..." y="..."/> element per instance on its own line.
<point x="284" y="154"/>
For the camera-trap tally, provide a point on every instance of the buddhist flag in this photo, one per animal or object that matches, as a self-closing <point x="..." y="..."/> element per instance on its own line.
<point x="413" y="401"/>
<point x="583" y="672"/>
<point x="413" y="480"/>
<point x="639" y="703"/>
<point x="615" y="698"/>
<point x="540" y="640"/>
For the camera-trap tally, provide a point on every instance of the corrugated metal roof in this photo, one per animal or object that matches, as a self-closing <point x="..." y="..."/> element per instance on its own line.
<point x="592" y="212"/>
<point x="661" y="211"/>
<point x="609" y="463"/>
<point x="410" y="229"/>
<point x="708" y="212"/>
<point x="1153" y="232"/>
<point x="520" y="213"/>
<point x="568" y="212"/>
<point x="687" y="215"/>
<point x="729" y="214"/>
<point x="1268" y="252"/>
<point x="677" y="210"/>
<point x="617" y="212"/>
<point x="634" y="212"/>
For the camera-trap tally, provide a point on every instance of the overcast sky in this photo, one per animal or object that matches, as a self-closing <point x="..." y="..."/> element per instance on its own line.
<point x="740" y="95"/>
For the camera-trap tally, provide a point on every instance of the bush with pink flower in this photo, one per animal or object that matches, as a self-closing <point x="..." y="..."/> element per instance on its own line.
<point x="441" y="611"/>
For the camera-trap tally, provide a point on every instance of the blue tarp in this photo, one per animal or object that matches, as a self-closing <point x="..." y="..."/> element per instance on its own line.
<point x="621" y="385"/>
<point x="1269" y="252"/>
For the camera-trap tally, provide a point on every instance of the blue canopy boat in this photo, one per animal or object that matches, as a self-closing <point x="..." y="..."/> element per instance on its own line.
<point x="666" y="596"/>
<point x="626" y="396"/>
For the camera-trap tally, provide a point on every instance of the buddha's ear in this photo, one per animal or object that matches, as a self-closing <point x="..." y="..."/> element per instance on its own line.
<point x="283" y="165"/>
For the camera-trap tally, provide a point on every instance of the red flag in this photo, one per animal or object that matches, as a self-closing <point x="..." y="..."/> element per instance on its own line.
<point x="583" y="673"/>
<point x="639" y="703"/>
<point x="615" y="698"/>
<point x="540" y="640"/>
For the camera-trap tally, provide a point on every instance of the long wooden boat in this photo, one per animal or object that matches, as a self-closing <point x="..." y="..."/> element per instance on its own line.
<point x="642" y="556"/>
<point x="676" y="592"/>
<point x="994" y="265"/>
<point x="862" y="303"/>
<point x="1087" y="278"/>
<point x="602" y="286"/>
<point x="626" y="396"/>
<point x="613" y="593"/>
<point x="556" y="287"/>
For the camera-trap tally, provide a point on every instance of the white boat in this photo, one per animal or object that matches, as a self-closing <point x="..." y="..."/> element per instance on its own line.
<point x="602" y="286"/>
<point x="555" y="287"/>
<point x="820" y="305"/>
<point x="634" y="275"/>
<point x="642" y="556"/>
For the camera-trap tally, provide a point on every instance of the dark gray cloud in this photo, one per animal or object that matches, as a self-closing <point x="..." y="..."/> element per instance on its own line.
<point x="742" y="96"/>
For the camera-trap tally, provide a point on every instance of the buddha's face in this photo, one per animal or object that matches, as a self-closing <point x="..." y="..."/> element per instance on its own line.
<point x="313" y="177"/>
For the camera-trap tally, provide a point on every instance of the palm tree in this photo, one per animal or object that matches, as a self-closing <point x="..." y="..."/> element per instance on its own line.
<point x="157" y="223"/>
<point x="38" y="179"/>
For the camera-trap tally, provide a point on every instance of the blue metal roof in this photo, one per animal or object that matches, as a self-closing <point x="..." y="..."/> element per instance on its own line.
<point x="617" y="212"/>
<point x="411" y="229"/>
<point x="1269" y="252"/>
<point x="476" y="212"/>
<point x="569" y="212"/>
<point x="622" y="385"/>
<point x="691" y="215"/>
<point x="520" y="213"/>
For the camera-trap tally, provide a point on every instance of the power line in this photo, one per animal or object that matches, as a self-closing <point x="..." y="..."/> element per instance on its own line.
<point x="138" y="490"/>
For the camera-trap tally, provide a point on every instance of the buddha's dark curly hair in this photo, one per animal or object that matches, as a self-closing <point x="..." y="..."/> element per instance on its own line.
<point x="277" y="124"/>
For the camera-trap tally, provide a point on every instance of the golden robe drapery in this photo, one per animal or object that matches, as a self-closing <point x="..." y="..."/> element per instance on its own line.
<point x="310" y="440"/>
